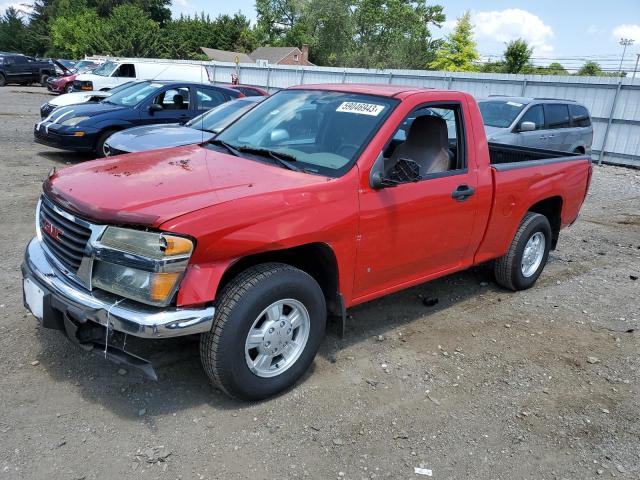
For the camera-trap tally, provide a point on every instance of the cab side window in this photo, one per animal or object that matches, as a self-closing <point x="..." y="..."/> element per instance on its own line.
<point x="429" y="141"/>
<point x="557" y="115"/>
<point x="534" y="115"/>
<point x="174" y="99"/>
<point x="126" y="70"/>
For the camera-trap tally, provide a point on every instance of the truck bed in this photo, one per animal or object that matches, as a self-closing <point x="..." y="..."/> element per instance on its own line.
<point x="512" y="156"/>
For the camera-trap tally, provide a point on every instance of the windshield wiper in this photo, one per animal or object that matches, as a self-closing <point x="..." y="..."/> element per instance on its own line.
<point x="282" y="159"/>
<point x="232" y="150"/>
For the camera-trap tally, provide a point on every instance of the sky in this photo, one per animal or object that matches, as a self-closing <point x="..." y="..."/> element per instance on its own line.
<point x="568" y="31"/>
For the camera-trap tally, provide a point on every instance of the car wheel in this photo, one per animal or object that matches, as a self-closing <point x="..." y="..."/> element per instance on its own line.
<point x="43" y="79"/>
<point x="68" y="88"/>
<point x="3" y="80"/>
<point x="101" y="149"/>
<point x="267" y="328"/>
<point x="527" y="256"/>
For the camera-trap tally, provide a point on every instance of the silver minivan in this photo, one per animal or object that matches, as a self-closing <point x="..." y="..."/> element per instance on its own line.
<point x="551" y="124"/>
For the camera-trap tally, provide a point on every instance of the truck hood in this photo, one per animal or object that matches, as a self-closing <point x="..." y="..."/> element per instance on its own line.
<point x="149" y="188"/>
<point x="150" y="137"/>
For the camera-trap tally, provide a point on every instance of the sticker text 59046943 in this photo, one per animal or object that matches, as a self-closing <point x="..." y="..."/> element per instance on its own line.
<point x="360" y="108"/>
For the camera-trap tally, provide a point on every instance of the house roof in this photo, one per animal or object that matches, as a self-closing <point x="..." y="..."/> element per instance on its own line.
<point x="272" y="54"/>
<point x="225" y="56"/>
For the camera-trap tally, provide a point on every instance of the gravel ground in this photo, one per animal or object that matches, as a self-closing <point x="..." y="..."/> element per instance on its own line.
<point x="486" y="384"/>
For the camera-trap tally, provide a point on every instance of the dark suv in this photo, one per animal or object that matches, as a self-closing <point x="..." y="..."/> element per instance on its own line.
<point x="17" y="68"/>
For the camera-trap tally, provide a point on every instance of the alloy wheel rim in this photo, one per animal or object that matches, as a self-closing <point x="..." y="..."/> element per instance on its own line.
<point x="277" y="338"/>
<point x="533" y="254"/>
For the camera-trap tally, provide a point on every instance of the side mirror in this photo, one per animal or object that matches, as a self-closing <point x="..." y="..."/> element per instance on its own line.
<point x="155" y="107"/>
<point x="527" y="127"/>
<point x="279" y="135"/>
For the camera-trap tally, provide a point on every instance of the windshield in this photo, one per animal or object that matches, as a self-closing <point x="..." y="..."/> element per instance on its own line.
<point x="324" y="132"/>
<point x="221" y="116"/>
<point x="133" y="94"/>
<point x="500" y="113"/>
<point x="105" y="69"/>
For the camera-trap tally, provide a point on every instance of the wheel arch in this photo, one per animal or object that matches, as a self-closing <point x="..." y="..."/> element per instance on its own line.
<point x="551" y="208"/>
<point x="317" y="259"/>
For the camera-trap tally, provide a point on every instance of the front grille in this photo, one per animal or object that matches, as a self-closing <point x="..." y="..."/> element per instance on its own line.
<point x="64" y="238"/>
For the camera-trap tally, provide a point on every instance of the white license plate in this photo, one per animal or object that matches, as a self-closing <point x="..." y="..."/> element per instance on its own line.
<point x="34" y="297"/>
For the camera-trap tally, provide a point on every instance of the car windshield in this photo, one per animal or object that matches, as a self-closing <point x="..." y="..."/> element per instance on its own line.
<point x="133" y="94"/>
<point x="500" y="113"/>
<point x="323" y="132"/>
<point x="221" y="116"/>
<point x="105" y="69"/>
<point x="83" y="66"/>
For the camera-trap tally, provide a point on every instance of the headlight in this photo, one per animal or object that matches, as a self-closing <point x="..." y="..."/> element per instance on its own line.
<point x="142" y="266"/>
<point x="72" y="122"/>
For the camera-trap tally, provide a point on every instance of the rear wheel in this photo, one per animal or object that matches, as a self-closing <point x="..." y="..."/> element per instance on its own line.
<point x="101" y="151"/>
<point x="268" y="325"/>
<point x="527" y="256"/>
<point x="43" y="79"/>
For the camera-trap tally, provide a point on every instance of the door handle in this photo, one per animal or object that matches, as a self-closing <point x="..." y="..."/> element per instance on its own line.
<point x="462" y="193"/>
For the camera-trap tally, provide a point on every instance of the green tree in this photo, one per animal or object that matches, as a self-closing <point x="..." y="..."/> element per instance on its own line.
<point x="458" y="52"/>
<point x="12" y="31"/>
<point x="77" y="34"/>
<point x="556" y="68"/>
<point x="517" y="56"/>
<point x="591" y="69"/>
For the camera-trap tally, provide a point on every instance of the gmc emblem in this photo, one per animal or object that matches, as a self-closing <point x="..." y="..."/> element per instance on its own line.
<point x="51" y="230"/>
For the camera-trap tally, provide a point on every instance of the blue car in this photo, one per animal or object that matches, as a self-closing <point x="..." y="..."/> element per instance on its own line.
<point x="85" y="127"/>
<point x="198" y="130"/>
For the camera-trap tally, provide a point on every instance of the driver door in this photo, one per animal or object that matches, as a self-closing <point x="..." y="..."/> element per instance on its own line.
<point x="418" y="228"/>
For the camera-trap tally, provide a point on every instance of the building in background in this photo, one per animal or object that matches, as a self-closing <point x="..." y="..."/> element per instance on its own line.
<point x="263" y="56"/>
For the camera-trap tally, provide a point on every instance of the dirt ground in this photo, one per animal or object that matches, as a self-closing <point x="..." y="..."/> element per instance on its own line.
<point x="486" y="384"/>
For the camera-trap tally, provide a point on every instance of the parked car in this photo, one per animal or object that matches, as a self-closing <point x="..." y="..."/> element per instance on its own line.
<point x="115" y="72"/>
<point x="561" y="125"/>
<point x="250" y="90"/>
<point x="16" y="68"/>
<point x="85" y="127"/>
<point x="75" y="98"/>
<point x="304" y="206"/>
<point x="198" y="130"/>
<point x="64" y="83"/>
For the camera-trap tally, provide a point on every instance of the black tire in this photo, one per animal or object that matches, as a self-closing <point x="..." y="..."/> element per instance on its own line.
<point x="43" y="79"/>
<point x="3" y="80"/>
<point x="222" y="351"/>
<point x="68" y="88"/>
<point x="508" y="268"/>
<point x="99" y="148"/>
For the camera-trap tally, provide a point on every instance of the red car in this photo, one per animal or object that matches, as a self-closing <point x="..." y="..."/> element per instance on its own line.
<point x="64" y="84"/>
<point x="250" y="90"/>
<point x="318" y="199"/>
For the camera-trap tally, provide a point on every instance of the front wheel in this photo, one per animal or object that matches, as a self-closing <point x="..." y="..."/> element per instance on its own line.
<point x="68" y="88"/>
<point x="101" y="149"/>
<point x="268" y="326"/>
<point x="527" y="256"/>
<point x="3" y="80"/>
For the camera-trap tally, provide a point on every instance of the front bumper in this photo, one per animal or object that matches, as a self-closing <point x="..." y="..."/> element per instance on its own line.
<point x="64" y="300"/>
<point x="58" y="136"/>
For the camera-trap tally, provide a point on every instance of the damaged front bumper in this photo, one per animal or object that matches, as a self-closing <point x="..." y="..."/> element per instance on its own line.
<point x="88" y="318"/>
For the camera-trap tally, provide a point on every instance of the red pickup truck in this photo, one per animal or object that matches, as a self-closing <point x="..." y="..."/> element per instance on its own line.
<point x="320" y="198"/>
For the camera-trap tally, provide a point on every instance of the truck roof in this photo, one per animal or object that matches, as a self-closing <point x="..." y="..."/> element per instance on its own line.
<point x="380" y="89"/>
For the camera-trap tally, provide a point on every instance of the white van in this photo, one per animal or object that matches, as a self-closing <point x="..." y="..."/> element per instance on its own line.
<point x="115" y="72"/>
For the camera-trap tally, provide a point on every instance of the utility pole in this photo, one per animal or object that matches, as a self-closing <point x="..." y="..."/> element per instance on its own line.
<point x="635" y="69"/>
<point x="625" y="42"/>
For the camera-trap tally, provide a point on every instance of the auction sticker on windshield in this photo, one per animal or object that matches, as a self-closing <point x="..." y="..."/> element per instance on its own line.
<point x="360" y="108"/>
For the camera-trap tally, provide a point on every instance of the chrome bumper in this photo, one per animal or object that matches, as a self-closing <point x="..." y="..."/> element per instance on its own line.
<point x="120" y="315"/>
